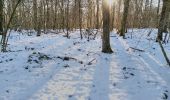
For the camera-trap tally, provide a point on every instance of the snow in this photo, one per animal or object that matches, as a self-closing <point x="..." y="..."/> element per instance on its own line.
<point x="52" y="67"/>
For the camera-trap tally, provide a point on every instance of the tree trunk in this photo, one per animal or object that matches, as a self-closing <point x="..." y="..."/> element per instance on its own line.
<point x="97" y="15"/>
<point x="1" y="17"/>
<point x="124" y="18"/>
<point x="112" y="17"/>
<point x="106" y="28"/>
<point x="35" y="14"/>
<point x="119" y="2"/>
<point x="4" y="36"/>
<point x="80" y="19"/>
<point x="68" y="1"/>
<point x="164" y="53"/>
<point x="162" y="21"/>
<point x="158" y="13"/>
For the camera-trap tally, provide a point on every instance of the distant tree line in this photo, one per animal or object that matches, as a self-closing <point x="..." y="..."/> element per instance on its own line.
<point x="73" y="14"/>
<point x="68" y="15"/>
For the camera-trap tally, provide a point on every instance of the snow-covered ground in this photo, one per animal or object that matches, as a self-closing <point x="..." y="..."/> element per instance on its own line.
<point x="52" y="67"/>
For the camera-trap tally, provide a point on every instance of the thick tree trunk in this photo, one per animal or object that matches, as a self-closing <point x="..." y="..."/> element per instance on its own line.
<point x="106" y="28"/>
<point x="162" y="22"/>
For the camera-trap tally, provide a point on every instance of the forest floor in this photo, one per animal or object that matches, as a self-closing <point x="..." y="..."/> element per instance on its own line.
<point x="52" y="67"/>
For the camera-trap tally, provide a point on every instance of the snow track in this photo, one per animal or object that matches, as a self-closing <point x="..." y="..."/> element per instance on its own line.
<point x="148" y="70"/>
<point x="90" y="75"/>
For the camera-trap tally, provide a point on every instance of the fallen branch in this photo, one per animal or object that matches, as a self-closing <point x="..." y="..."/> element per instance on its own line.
<point x="90" y="63"/>
<point x="69" y="58"/>
<point x="93" y="53"/>
<point x="149" y="33"/>
<point x="137" y="49"/>
<point x="113" y="36"/>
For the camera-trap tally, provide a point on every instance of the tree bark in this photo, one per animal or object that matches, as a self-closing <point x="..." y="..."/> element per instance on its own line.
<point x="106" y="28"/>
<point x="4" y="35"/>
<point x="97" y="15"/>
<point x="80" y="18"/>
<point x="35" y="14"/>
<point x="68" y="4"/>
<point x="124" y="18"/>
<point x="158" y="13"/>
<point x="1" y="17"/>
<point x="162" y="22"/>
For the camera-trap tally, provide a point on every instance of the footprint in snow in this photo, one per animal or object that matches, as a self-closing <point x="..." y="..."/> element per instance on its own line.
<point x="165" y="96"/>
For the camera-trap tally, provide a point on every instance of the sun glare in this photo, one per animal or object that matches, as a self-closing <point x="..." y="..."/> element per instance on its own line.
<point x="110" y="2"/>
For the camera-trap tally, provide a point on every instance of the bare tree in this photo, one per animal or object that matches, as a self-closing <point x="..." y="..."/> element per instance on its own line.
<point x="97" y="15"/>
<point x="106" y="48"/>
<point x="124" y="18"/>
<point x="80" y="18"/>
<point x="4" y="35"/>
<point x="162" y="21"/>
<point x="68" y="4"/>
<point x="1" y="17"/>
<point x="112" y="17"/>
<point x="35" y="14"/>
<point x="118" y="13"/>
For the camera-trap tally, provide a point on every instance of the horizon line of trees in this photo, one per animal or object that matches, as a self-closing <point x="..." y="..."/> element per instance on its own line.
<point x="71" y="14"/>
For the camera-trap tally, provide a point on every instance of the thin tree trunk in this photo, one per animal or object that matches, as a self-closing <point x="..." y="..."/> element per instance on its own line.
<point x="68" y="1"/>
<point x="35" y="14"/>
<point x="97" y="15"/>
<point x="112" y="17"/>
<point x="118" y="15"/>
<point x="158" y="12"/>
<point x="1" y="17"/>
<point x="4" y="36"/>
<point x="124" y="18"/>
<point x="80" y="19"/>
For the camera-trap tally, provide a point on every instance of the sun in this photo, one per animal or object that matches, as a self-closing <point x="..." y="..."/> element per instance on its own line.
<point x="110" y="2"/>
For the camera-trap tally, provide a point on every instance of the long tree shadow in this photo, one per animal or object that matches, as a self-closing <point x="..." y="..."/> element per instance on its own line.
<point x="137" y="76"/>
<point x="100" y="87"/>
<point x="38" y="77"/>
